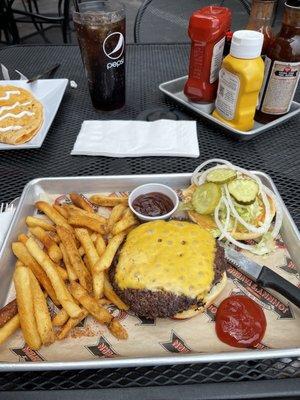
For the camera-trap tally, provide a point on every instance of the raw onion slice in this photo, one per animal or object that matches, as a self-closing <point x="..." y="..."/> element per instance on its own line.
<point x="197" y="174"/>
<point x="227" y="220"/>
<point x="278" y="215"/>
<point x="226" y="234"/>
<point x="251" y="228"/>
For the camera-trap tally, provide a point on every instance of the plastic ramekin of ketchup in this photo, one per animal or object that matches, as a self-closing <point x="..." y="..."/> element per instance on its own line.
<point x="153" y="201"/>
<point x="240" y="322"/>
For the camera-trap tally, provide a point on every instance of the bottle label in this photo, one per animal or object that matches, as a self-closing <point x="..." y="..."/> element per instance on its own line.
<point x="197" y="60"/>
<point x="279" y="86"/>
<point x="228" y="92"/>
<point x="216" y="61"/>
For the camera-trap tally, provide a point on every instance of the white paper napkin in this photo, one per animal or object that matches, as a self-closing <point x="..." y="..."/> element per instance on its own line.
<point x="137" y="138"/>
<point x="5" y="220"/>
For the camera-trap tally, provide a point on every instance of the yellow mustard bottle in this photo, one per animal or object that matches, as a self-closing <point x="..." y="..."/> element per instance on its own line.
<point x="240" y="80"/>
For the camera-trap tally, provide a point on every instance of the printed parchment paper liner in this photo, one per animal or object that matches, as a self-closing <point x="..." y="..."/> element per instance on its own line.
<point x="90" y="340"/>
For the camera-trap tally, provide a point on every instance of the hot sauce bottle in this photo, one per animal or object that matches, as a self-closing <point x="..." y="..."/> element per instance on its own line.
<point x="207" y="29"/>
<point x="282" y="67"/>
<point x="260" y="20"/>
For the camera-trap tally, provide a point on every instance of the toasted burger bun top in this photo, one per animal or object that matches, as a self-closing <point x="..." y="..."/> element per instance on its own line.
<point x="174" y="256"/>
<point x="208" y="222"/>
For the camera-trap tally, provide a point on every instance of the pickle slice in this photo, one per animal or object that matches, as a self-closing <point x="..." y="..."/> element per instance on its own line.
<point x="222" y="175"/>
<point x="244" y="191"/>
<point x="206" y="197"/>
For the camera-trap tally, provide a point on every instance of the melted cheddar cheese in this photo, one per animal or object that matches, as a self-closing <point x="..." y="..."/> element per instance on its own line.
<point x="175" y="256"/>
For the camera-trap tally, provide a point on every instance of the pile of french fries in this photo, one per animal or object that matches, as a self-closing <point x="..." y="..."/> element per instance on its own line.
<point x="66" y="258"/>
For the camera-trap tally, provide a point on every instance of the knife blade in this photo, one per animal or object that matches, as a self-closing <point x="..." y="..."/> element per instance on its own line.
<point x="49" y="72"/>
<point x="264" y="276"/>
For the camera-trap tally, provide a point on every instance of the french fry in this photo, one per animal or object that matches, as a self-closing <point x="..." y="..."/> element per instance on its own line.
<point x="61" y="291"/>
<point x="108" y="201"/>
<point x="52" y="214"/>
<point x="117" y="329"/>
<point x="84" y="221"/>
<point x="22" y="238"/>
<point x="92" y="258"/>
<point x="41" y="312"/>
<point x="54" y="237"/>
<point x="73" y="210"/>
<point x="81" y="202"/>
<point x="86" y="263"/>
<point x="32" y="222"/>
<point x="8" y="312"/>
<point x="111" y="295"/>
<point x="115" y="216"/>
<point x="94" y="236"/>
<point x="90" y="303"/>
<point x="71" y="323"/>
<point x="25" y="300"/>
<point x="81" y="251"/>
<point x="61" y="210"/>
<point x="21" y="252"/>
<point x="80" y="269"/>
<point x="19" y="264"/>
<point x="98" y="312"/>
<point x="60" y="318"/>
<point x="70" y="207"/>
<point x="103" y="301"/>
<point x="126" y="222"/>
<point x="130" y="228"/>
<point x="62" y="272"/>
<point x="87" y="244"/>
<point x="52" y="249"/>
<point x="71" y="273"/>
<point x="109" y="253"/>
<point x="9" y="328"/>
<point x="100" y="245"/>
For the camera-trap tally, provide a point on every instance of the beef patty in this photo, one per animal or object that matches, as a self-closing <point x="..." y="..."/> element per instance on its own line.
<point x="162" y="304"/>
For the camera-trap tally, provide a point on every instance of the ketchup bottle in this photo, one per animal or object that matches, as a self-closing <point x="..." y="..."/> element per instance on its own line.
<point x="207" y="30"/>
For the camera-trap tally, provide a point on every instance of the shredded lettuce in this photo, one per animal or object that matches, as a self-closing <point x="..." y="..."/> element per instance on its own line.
<point x="185" y="206"/>
<point x="222" y="216"/>
<point x="215" y="232"/>
<point x="265" y="246"/>
<point x="249" y="213"/>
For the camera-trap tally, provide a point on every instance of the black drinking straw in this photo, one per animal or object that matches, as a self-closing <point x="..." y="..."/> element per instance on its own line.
<point x="75" y="2"/>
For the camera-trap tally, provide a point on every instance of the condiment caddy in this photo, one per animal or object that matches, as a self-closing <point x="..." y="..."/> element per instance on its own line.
<point x="174" y="90"/>
<point x="242" y="93"/>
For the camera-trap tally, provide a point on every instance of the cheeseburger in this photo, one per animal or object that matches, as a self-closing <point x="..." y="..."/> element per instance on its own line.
<point x="169" y="269"/>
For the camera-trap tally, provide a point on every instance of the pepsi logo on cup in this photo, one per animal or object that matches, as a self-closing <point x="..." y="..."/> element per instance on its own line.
<point x="113" y="47"/>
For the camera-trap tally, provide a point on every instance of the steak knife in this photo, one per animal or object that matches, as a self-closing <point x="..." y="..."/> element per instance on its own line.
<point x="264" y="276"/>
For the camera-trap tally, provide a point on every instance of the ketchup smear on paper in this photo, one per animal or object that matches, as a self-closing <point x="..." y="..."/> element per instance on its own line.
<point x="240" y="322"/>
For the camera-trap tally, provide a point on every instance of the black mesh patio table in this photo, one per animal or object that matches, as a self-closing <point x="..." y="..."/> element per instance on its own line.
<point x="275" y="152"/>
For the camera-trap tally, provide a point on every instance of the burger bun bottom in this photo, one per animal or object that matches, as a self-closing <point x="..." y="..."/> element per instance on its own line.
<point x="208" y="300"/>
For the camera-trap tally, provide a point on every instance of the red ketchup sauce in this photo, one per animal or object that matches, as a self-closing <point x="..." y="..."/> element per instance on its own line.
<point x="153" y="204"/>
<point x="240" y="322"/>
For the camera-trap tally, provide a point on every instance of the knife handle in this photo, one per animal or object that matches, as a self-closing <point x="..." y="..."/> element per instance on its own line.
<point x="268" y="278"/>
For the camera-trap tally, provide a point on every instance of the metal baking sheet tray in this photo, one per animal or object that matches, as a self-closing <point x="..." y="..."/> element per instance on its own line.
<point x="174" y="89"/>
<point x="36" y="188"/>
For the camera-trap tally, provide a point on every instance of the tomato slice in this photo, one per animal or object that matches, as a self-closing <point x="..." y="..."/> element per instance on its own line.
<point x="240" y="322"/>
